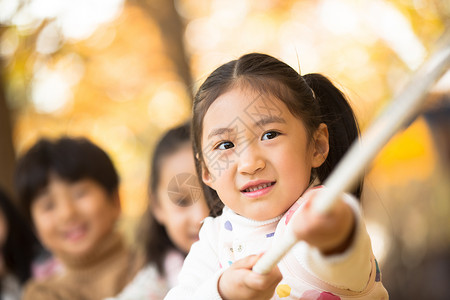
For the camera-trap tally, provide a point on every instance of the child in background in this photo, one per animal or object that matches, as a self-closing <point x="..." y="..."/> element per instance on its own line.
<point x="265" y="138"/>
<point x="172" y="221"/>
<point x="18" y="248"/>
<point x="68" y="188"/>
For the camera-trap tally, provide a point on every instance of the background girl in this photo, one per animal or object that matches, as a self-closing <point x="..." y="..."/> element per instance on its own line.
<point x="172" y="222"/>
<point x="265" y="137"/>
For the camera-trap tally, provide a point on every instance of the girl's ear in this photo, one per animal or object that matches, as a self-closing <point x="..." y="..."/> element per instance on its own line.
<point x="116" y="205"/>
<point x="206" y="176"/>
<point x="321" y="146"/>
<point x="158" y="213"/>
<point x="116" y="200"/>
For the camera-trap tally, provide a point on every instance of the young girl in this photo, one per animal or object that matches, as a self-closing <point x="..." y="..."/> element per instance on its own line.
<point x="265" y="137"/>
<point x="172" y="222"/>
<point x="18" y="248"/>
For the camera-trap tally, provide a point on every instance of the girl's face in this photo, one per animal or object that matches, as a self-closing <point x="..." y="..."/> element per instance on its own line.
<point x="180" y="205"/>
<point x="257" y="154"/>
<point x="73" y="218"/>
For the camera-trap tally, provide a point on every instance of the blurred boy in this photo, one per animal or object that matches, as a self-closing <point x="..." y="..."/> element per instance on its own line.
<point x="68" y="188"/>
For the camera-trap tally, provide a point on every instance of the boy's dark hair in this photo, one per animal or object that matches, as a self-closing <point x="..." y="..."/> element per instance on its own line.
<point x="71" y="159"/>
<point x="311" y="98"/>
<point x="156" y="240"/>
<point x="21" y="245"/>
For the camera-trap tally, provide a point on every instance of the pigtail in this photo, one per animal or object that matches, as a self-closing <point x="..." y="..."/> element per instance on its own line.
<point x="155" y="240"/>
<point x="338" y="115"/>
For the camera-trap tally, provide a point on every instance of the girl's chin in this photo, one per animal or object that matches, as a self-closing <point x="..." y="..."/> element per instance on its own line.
<point x="82" y="248"/>
<point x="79" y="252"/>
<point x="260" y="213"/>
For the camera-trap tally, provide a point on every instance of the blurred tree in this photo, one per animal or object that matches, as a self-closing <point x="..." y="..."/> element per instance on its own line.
<point x="102" y="80"/>
<point x="7" y="156"/>
<point x="7" y="149"/>
<point x="172" y="29"/>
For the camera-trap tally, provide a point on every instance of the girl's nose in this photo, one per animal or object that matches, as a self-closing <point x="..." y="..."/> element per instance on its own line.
<point x="250" y="161"/>
<point x="66" y="210"/>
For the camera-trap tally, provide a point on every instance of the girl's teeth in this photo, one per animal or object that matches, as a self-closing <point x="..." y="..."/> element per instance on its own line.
<point x="259" y="187"/>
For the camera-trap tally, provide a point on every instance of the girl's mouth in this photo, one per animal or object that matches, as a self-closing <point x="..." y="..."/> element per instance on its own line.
<point x="75" y="233"/>
<point x="258" y="190"/>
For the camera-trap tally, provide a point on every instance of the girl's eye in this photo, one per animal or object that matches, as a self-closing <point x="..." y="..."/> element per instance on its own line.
<point x="79" y="192"/>
<point x="224" y="145"/>
<point x="49" y="205"/>
<point x="184" y="201"/>
<point x="46" y="204"/>
<point x="270" y="135"/>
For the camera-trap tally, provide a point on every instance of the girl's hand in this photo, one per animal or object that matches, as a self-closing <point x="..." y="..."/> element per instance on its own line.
<point x="331" y="233"/>
<point x="240" y="282"/>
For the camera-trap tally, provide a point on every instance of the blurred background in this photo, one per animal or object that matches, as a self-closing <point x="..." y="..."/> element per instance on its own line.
<point x="122" y="72"/>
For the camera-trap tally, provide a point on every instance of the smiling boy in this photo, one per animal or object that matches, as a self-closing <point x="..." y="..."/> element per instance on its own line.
<point x="68" y="188"/>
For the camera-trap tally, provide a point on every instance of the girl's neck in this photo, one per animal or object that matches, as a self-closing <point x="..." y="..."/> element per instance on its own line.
<point x="252" y="222"/>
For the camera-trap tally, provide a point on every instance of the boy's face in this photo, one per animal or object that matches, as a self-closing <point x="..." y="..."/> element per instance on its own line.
<point x="72" y="218"/>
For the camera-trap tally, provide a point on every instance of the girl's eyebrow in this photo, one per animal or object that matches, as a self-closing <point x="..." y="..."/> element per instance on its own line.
<point x="219" y="131"/>
<point x="261" y="122"/>
<point x="269" y="120"/>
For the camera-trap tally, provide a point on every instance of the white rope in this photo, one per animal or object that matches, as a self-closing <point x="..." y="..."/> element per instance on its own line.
<point x="398" y="114"/>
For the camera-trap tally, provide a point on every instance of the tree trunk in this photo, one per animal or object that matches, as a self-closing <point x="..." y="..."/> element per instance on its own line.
<point x="7" y="155"/>
<point x="172" y="29"/>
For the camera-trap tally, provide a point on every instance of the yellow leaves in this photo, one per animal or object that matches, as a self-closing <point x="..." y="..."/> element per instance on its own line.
<point x="408" y="157"/>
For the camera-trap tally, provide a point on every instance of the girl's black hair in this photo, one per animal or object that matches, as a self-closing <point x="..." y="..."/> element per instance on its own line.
<point x="21" y="245"/>
<point x="156" y="240"/>
<point x="311" y="98"/>
<point x="343" y="127"/>
<point x="71" y="159"/>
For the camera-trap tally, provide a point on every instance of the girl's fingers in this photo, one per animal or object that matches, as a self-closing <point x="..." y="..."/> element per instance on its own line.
<point x="254" y="280"/>
<point x="263" y="282"/>
<point x="260" y="282"/>
<point x="239" y="281"/>
<point x="331" y="232"/>
<point x="246" y="262"/>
